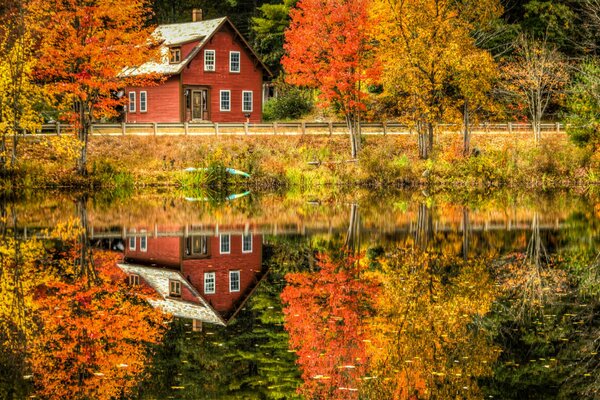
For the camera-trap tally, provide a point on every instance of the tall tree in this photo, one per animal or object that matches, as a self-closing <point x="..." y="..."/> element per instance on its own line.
<point x="430" y="62"/>
<point x="535" y="76"/>
<point x="583" y="105"/>
<point x="86" y="45"/>
<point x="327" y="48"/>
<point x="17" y="93"/>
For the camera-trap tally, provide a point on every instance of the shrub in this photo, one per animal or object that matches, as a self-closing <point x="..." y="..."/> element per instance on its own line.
<point x="291" y="104"/>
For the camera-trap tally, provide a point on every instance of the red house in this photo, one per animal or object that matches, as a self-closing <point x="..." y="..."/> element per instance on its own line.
<point x="204" y="277"/>
<point x="211" y="74"/>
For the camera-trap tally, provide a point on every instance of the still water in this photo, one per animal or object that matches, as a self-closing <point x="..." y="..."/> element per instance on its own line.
<point x="385" y="296"/>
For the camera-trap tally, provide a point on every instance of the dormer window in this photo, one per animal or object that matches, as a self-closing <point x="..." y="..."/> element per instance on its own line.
<point x="174" y="55"/>
<point x="174" y="288"/>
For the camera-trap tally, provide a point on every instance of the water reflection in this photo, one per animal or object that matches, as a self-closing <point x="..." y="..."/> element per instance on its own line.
<point x="369" y="297"/>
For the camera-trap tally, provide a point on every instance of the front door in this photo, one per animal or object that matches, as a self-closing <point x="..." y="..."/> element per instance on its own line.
<point x="199" y="105"/>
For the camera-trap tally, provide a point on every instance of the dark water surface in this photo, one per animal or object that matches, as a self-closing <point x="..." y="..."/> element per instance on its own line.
<point x="387" y="296"/>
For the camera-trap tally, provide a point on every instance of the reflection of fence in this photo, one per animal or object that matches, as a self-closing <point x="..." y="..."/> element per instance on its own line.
<point x="287" y="128"/>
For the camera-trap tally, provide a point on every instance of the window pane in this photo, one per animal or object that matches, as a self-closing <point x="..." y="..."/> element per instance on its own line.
<point x="209" y="60"/>
<point x="234" y="61"/>
<point x="225" y="244"/>
<point x="247" y="102"/>
<point x="209" y="282"/>
<point x="247" y="243"/>
<point x="225" y="100"/>
<point x="234" y="281"/>
<point x="143" y="102"/>
<point x="131" y="101"/>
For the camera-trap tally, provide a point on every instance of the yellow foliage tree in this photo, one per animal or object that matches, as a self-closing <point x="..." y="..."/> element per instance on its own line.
<point x="430" y="63"/>
<point x="426" y="342"/>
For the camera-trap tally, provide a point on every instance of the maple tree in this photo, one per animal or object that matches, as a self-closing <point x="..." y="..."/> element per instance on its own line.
<point x="431" y="66"/>
<point x="327" y="48"/>
<point x="326" y="314"/>
<point x="85" y="50"/>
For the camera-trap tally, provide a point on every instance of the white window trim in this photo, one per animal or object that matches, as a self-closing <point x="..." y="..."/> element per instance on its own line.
<point x="251" y="101"/>
<point x="134" y="241"/>
<point x="214" y="280"/>
<point x="145" y="103"/>
<point x="239" y="280"/>
<point x="221" y="100"/>
<point x="214" y="62"/>
<point x="221" y="244"/>
<point x="145" y="237"/>
<point x="239" y="62"/>
<point x="132" y="101"/>
<point x="177" y="284"/>
<point x="251" y="244"/>
<point x="175" y="51"/>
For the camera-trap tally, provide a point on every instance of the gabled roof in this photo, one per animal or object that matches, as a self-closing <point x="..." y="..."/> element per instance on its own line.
<point x="158" y="279"/>
<point x="178" y="34"/>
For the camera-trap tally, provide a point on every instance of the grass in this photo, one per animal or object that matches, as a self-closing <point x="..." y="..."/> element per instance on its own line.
<point x="288" y="162"/>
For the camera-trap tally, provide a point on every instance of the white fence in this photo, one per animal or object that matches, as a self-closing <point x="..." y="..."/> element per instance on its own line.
<point x="286" y="128"/>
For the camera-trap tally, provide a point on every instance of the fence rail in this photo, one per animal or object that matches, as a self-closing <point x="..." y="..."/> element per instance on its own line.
<point x="286" y="128"/>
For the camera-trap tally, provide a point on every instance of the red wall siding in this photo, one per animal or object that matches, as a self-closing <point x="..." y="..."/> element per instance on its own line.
<point x="163" y="102"/>
<point x="249" y="265"/>
<point x="249" y="78"/>
<point x="163" y="251"/>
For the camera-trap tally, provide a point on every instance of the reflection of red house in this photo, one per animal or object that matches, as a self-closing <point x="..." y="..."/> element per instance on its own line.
<point x="210" y="74"/>
<point x="218" y="272"/>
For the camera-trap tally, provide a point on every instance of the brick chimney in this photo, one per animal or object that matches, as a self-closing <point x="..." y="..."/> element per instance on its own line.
<point x="196" y="15"/>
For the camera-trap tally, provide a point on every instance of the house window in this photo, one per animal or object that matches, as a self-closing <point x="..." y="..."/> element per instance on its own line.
<point x="209" y="282"/>
<point x="234" y="61"/>
<point x="247" y="243"/>
<point x="225" y="244"/>
<point x="134" y="279"/>
<point x="209" y="60"/>
<point x="132" y="240"/>
<point x="234" y="281"/>
<point x="225" y="100"/>
<point x="144" y="242"/>
<point x="246" y="101"/>
<point x="174" y="55"/>
<point x="131" y="102"/>
<point x="174" y="288"/>
<point x="197" y="246"/>
<point x="143" y="102"/>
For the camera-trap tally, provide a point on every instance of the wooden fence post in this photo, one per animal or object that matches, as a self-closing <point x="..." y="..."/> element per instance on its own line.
<point x="384" y="128"/>
<point x="275" y="128"/>
<point x="216" y="129"/>
<point x="510" y="128"/>
<point x="186" y="128"/>
<point x="155" y="127"/>
<point x="558" y="127"/>
<point x="304" y="128"/>
<point x="245" y="128"/>
<point x="58" y="128"/>
<point x="123" y="128"/>
<point x="330" y="128"/>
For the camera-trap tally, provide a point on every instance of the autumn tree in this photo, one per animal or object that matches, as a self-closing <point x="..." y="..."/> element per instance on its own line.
<point x="18" y="95"/>
<point x="535" y="77"/>
<point x="326" y="314"/>
<point x="327" y="48"/>
<point x="583" y="105"/>
<point x="431" y="66"/>
<point x="86" y="47"/>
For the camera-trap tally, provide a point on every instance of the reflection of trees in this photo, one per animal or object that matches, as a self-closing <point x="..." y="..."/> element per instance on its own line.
<point x="424" y="228"/>
<point x="466" y="233"/>
<point x="352" y="243"/>
<point x="427" y="341"/>
<point x="325" y="315"/>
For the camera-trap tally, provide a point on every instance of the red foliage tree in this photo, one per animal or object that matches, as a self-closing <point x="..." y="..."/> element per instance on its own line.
<point x="325" y="315"/>
<point x="327" y="48"/>
<point x="85" y="46"/>
<point x="95" y="337"/>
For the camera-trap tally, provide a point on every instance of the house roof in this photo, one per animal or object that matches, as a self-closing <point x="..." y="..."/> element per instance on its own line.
<point x="178" y="34"/>
<point x="158" y="279"/>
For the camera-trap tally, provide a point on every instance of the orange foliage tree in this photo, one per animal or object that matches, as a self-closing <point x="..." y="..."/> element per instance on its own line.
<point x="96" y="336"/>
<point x="325" y="315"/>
<point x="86" y="45"/>
<point x="327" y="48"/>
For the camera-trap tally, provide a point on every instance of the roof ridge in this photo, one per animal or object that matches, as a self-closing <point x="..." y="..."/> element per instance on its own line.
<point x="191" y="22"/>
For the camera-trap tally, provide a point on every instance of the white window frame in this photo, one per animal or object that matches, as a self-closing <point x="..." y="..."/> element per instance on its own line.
<point x="208" y="66"/>
<point x="134" y="247"/>
<point x="174" y="55"/>
<point x="144" y="102"/>
<point x="239" y="62"/>
<point x="143" y="242"/>
<point x="221" y="236"/>
<point x="221" y="100"/>
<point x="244" y="109"/>
<point x="176" y="284"/>
<point x="239" y="281"/>
<point x="131" y="102"/>
<point x="134" y="279"/>
<point x="213" y="279"/>
<point x="244" y="250"/>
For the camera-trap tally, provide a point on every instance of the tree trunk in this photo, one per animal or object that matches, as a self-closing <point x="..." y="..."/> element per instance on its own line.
<point x="351" y="124"/>
<point x="430" y="137"/>
<point x="467" y="130"/>
<point x="83" y="134"/>
<point x="424" y="229"/>
<point x="424" y="139"/>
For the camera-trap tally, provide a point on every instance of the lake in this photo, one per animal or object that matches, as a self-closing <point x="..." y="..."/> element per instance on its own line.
<point x="404" y="295"/>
